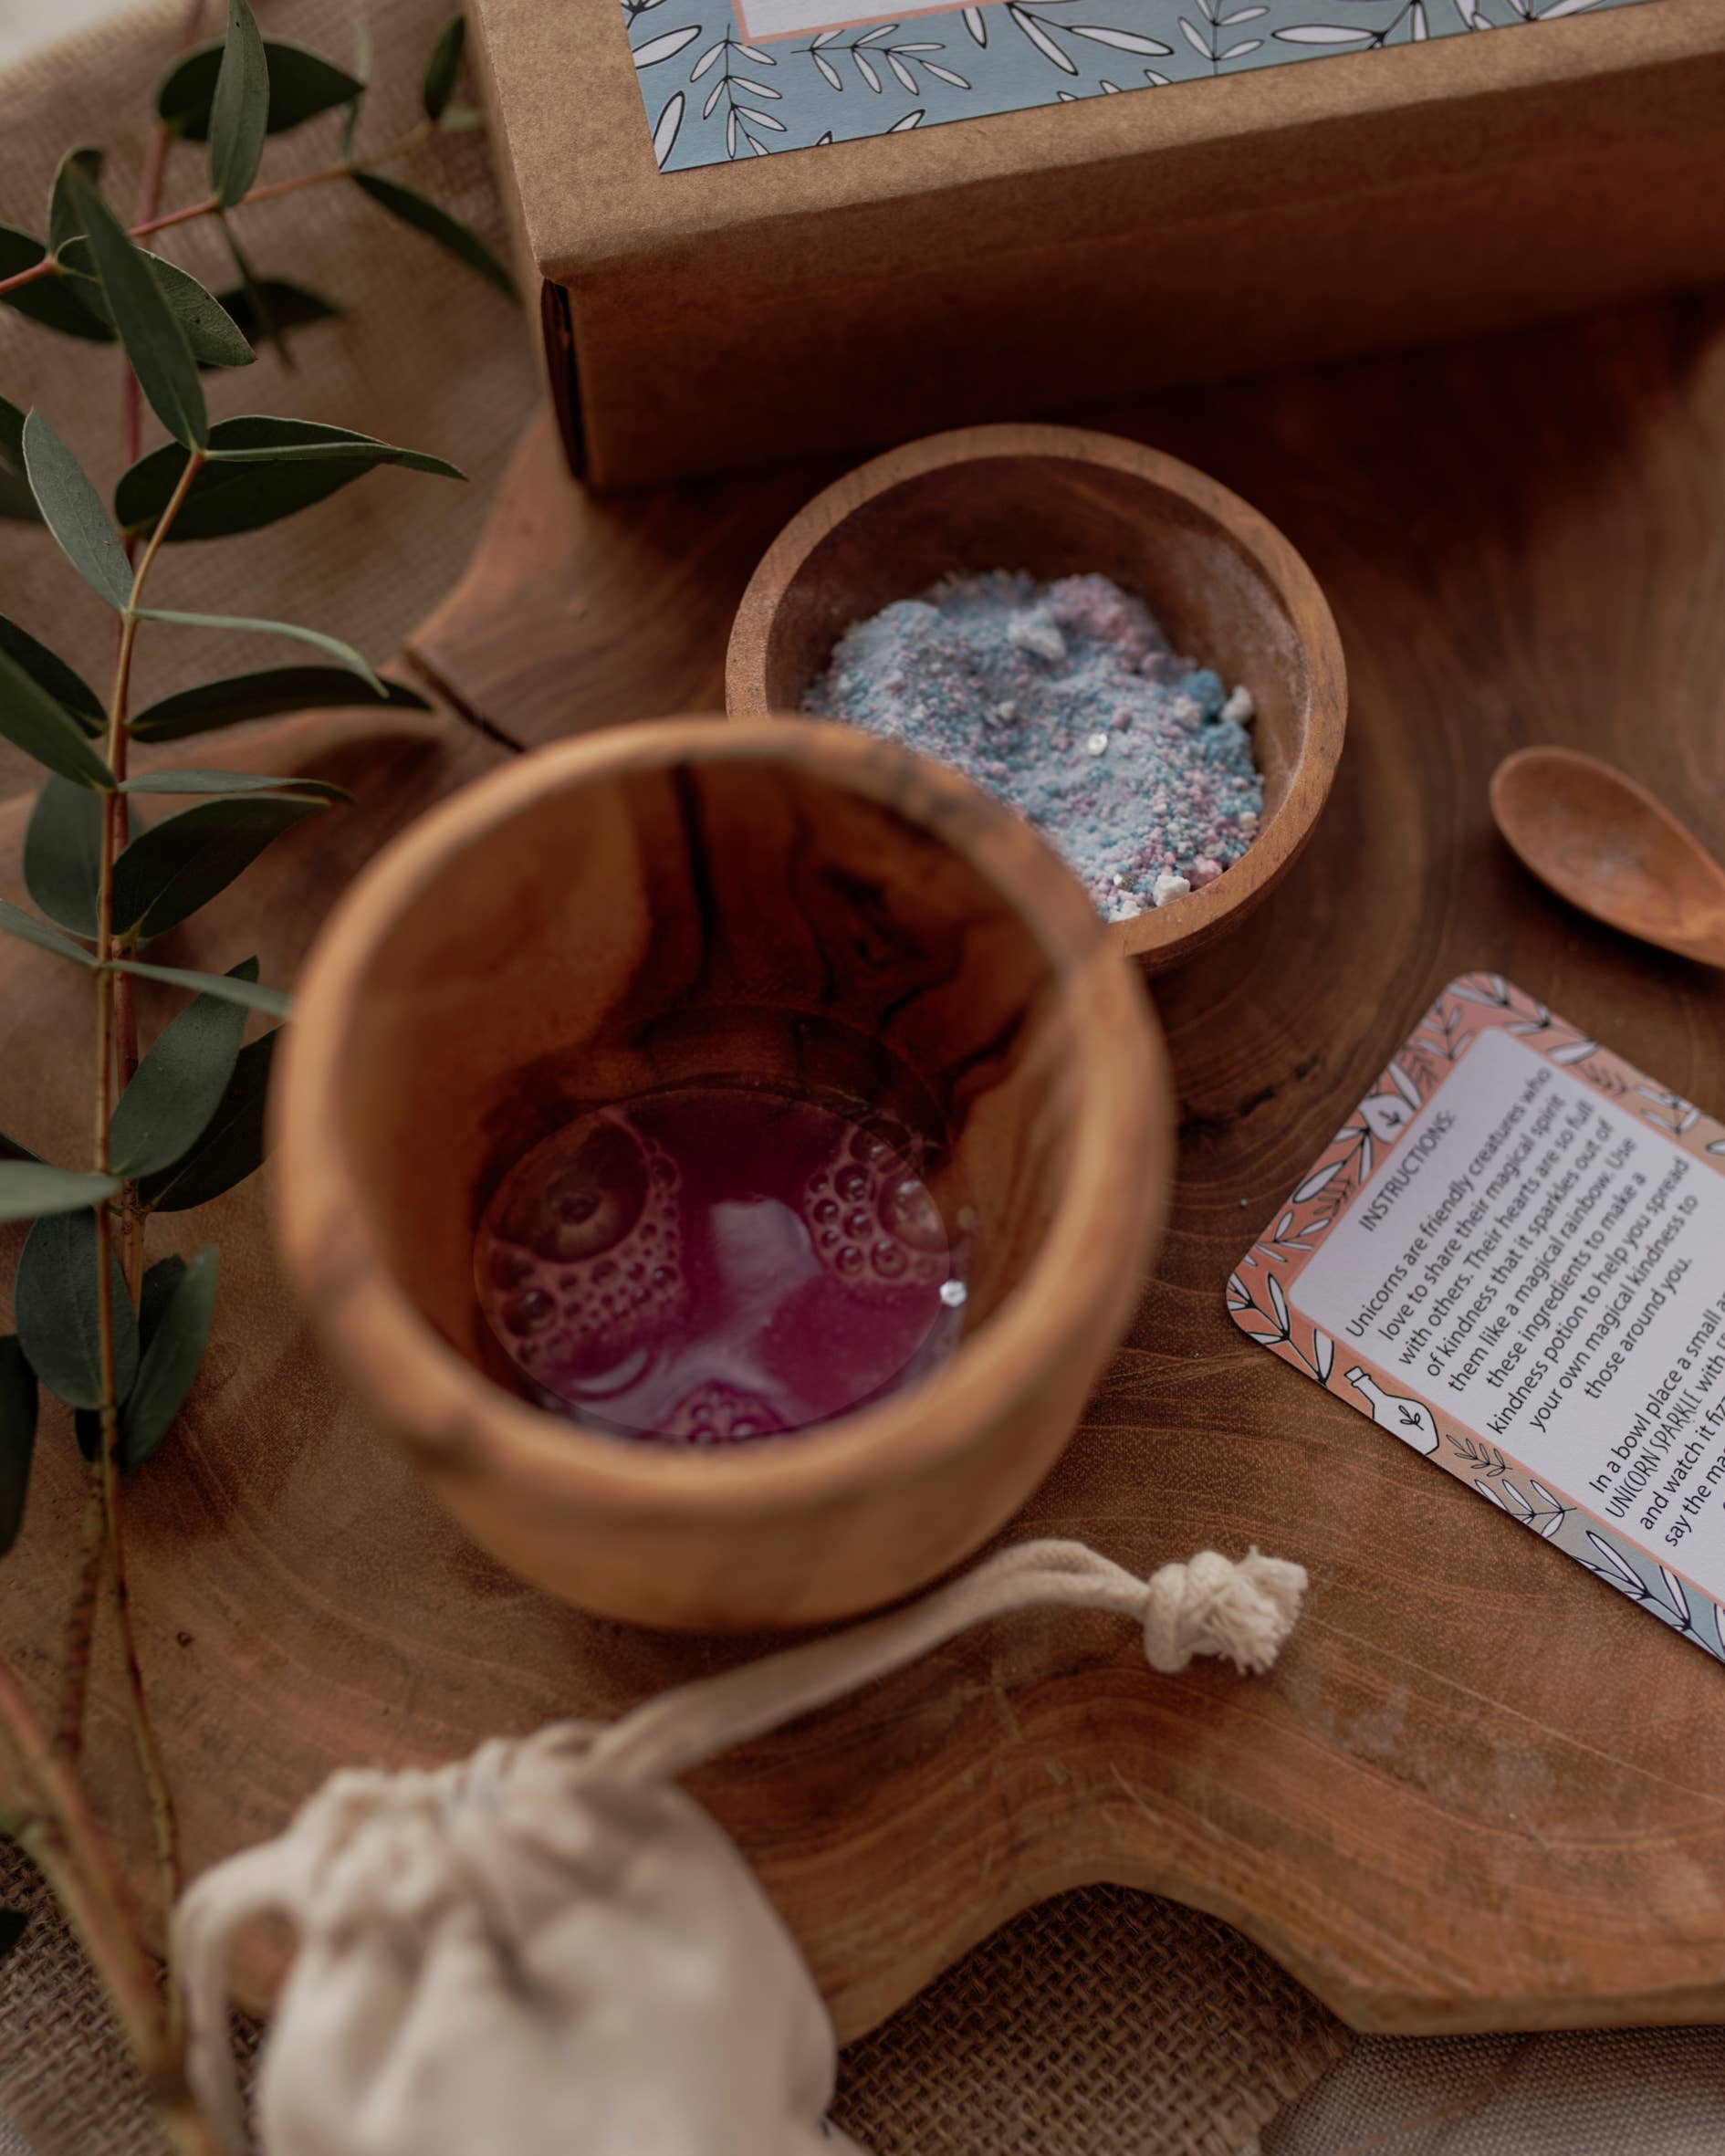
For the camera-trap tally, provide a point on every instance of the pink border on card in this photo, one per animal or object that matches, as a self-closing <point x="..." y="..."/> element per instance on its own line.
<point x="1473" y="1004"/>
<point x="849" y="22"/>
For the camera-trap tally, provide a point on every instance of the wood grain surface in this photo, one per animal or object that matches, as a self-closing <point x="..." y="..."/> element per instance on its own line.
<point x="1480" y="1790"/>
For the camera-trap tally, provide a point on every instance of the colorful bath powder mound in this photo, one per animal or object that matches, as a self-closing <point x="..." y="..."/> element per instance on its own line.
<point x="1068" y="701"/>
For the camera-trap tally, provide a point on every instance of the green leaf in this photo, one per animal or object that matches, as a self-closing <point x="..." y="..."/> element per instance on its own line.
<point x="10" y="1149"/>
<point x="13" y="1923"/>
<point x="437" y="225"/>
<point x="265" y="695"/>
<point x="232" y="782"/>
<point x="179" y="864"/>
<point x="17" y="1444"/>
<point x="73" y="512"/>
<point x="332" y="644"/>
<point x="17" y="502"/>
<point x="51" y="673"/>
<point x="14" y="921"/>
<point x="301" y="85"/>
<point x="63" y="855"/>
<point x="49" y="301"/>
<point x="54" y="1304"/>
<point x="234" y="1143"/>
<point x="239" y="108"/>
<point x="160" y="1283"/>
<point x="178" y="1086"/>
<point x="33" y="721"/>
<point x="148" y="329"/>
<point x="154" y="1294"/>
<point x="170" y="1360"/>
<point x="65" y="221"/>
<point x="274" y="1002"/>
<point x="215" y="339"/>
<point x="289" y="306"/>
<point x="32" y="1191"/>
<point x="445" y="66"/>
<point x="260" y="470"/>
<point x="271" y="332"/>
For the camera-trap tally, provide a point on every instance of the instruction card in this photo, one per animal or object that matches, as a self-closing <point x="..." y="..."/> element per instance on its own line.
<point x="1512" y="1258"/>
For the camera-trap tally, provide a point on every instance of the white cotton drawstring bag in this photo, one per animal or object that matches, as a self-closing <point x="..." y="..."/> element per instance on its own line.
<point x="549" y="1950"/>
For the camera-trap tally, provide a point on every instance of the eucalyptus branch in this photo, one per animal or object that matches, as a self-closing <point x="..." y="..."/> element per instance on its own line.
<point x="210" y="205"/>
<point x="108" y="984"/>
<point x="118" y="1341"/>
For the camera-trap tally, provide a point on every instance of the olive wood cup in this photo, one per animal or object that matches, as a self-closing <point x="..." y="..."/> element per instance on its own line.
<point x="797" y="906"/>
<point x="1059" y="501"/>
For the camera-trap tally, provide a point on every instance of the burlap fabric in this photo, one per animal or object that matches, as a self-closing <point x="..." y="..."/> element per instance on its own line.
<point x="1104" y="2024"/>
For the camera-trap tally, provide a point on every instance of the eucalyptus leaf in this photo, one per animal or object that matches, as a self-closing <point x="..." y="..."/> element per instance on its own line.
<point x="270" y="329"/>
<point x="260" y="470"/>
<point x="17" y="502"/>
<point x="178" y="1086"/>
<point x="239" y="109"/>
<point x="63" y="855"/>
<point x="73" y="512"/>
<point x="55" y="1308"/>
<point x="287" y="306"/>
<point x="234" y="1141"/>
<point x="65" y="220"/>
<point x="302" y="84"/>
<point x="232" y="782"/>
<point x="17" y="1445"/>
<point x="155" y="1291"/>
<point x="31" y="720"/>
<point x="443" y="67"/>
<point x="14" y="921"/>
<point x="273" y="1002"/>
<point x="265" y="695"/>
<point x="10" y="1149"/>
<point x="13" y="1923"/>
<point x="50" y="672"/>
<point x="32" y="1191"/>
<point x="171" y="1361"/>
<point x="436" y="223"/>
<point x="148" y="329"/>
<point x="332" y="644"/>
<point x="215" y="339"/>
<point x="49" y="299"/>
<point x="179" y="864"/>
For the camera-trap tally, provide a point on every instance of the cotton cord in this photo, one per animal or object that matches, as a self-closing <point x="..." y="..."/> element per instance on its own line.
<point x="1212" y="1605"/>
<point x="447" y="1824"/>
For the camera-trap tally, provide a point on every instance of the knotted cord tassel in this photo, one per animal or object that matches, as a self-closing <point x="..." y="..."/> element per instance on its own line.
<point x="1213" y="1605"/>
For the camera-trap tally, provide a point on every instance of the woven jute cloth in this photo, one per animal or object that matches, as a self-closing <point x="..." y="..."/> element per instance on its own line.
<point x="1103" y="2025"/>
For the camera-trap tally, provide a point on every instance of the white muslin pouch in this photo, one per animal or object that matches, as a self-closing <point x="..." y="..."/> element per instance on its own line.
<point x="549" y="1950"/>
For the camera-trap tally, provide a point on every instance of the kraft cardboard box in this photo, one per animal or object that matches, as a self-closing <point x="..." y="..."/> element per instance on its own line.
<point x="1384" y="173"/>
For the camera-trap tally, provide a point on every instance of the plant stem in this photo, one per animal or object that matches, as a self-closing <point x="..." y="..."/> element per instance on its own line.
<point x="208" y="207"/>
<point x="60" y="1832"/>
<point x="112" y="1536"/>
<point x="81" y="1622"/>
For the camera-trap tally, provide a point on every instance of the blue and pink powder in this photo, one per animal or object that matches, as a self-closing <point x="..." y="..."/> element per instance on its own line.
<point x="1068" y="701"/>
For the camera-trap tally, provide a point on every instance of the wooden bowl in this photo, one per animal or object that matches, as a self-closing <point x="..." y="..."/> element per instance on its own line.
<point x="1059" y="501"/>
<point x="794" y="904"/>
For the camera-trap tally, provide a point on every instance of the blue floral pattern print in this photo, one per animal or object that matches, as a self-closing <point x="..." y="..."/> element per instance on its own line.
<point x="717" y="86"/>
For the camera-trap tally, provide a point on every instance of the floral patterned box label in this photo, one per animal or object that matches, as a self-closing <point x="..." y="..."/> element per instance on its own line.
<point x="1512" y="1258"/>
<point x="723" y="79"/>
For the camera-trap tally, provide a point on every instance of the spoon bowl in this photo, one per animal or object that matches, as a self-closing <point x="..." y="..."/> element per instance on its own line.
<point x="1601" y="840"/>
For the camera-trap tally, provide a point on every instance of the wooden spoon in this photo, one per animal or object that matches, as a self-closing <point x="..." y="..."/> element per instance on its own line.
<point x="1604" y="842"/>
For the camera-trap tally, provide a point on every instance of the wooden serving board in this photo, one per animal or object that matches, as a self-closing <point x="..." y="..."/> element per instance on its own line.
<point x="1480" y="1791"/>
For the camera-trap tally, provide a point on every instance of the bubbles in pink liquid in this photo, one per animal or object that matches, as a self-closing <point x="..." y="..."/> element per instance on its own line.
<point x="714" y="1264"/>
